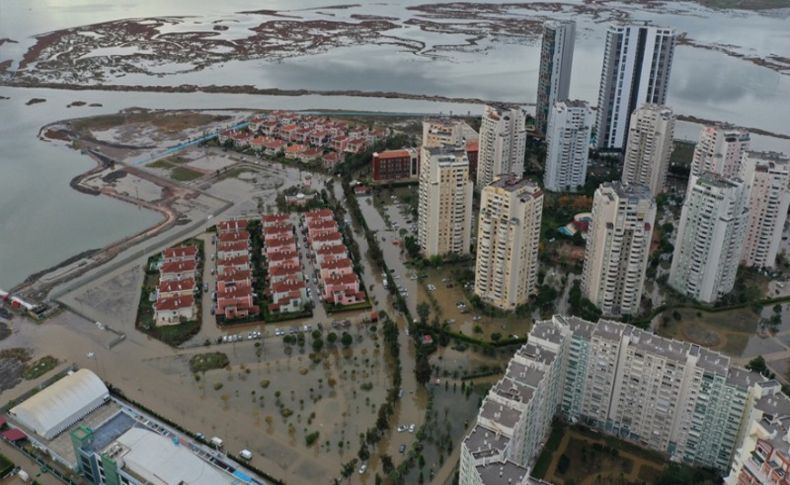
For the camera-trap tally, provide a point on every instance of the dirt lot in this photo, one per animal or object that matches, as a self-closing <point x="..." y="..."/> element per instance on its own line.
<point x="588" y="459"/>
<point x="728" y="332"/>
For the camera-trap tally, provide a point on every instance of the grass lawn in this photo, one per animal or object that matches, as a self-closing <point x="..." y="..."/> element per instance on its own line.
<point x="40" y="367"/>
<point x="727" y="331"/>
<point x="6" y="466"/>
<point x="183" y="174"/>
<point x="682" y="153"/>
<point x="208" y="361"/>
<point x="578" y="455"/>
<point x="449" y="292"/>
<point x="175" y="335"/>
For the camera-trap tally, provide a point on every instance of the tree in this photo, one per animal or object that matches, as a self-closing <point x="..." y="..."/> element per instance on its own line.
<point x="386" y="463"/>
<point x="346" y="339"/>
<point x="318" y="344"/>
<point x="422" y="368"/>
<point x="331" y="338"/>
<point x="423" y="311"/>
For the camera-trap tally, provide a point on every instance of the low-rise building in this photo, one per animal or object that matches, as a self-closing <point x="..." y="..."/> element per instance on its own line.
<point x="236" y="263"/>
<point x="392" y="165"/>
<point x="177" y="271"/>
<point x="174" y="310"/>
<point x="173" y="288"/>
<point x="180" y="254"/>
<point x="336" y="267"/>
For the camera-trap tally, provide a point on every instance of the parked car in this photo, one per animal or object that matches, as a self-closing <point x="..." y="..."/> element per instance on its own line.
<point x="402" y="449"/>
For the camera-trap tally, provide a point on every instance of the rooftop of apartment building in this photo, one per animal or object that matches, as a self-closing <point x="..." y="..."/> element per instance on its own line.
<point x="512" y="183"/>
<point x="448" y="152"/>
<point x="483" y="442"/>
<point x="500" y="413"/>
<point x="574" y="103"/>
<point x="775" y="157"/>
<point x="713" y="180"/>
<point x="507" y="472"/>
<point x="628" y="190"/>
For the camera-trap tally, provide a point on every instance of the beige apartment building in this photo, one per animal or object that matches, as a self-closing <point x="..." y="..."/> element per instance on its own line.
<point x="618" y="246"/>
<point x="508" y="237"/>
<point x="438" y="132"/>
<point x="444" y="223"/>
<point x="649" y="147"/>
<point x="503" y="142"/>
<point x="719" y="150"/>
<point x="768" y="176"/>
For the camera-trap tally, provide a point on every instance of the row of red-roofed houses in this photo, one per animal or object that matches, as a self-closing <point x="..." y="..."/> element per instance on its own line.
<point x="286" y="289"/>
<point x="175" y="294"/>
<point x="340" y="285"/>
<point x="303" y="137"/>
<point x="235" y="290"/>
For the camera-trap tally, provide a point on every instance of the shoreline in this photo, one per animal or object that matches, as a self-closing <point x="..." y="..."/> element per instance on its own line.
<point x="249" y="89"/>
<point x="35" y="285"/>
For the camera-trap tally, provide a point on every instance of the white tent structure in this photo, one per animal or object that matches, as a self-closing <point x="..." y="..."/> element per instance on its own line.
<point x="53" y="409"/>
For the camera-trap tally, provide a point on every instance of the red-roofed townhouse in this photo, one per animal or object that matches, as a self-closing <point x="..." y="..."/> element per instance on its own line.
<point x="319" y="215"/>
<point x="331" y="160"/>
<point x="231" y="276"/>
<point x="275" y="219"/>
<point x="232" y="249"/>
<point x="227" y="287"/>
<point x="356" y="146"/>
<point x="340" y="143"/>
<point x="318" y="138"/>
<point x="286" y="244"/>
<point x="268" y="127"/>
<point x="232" y="225"/>
<point x="286" y="132"/>
<point x="288" y="296"/>
<point x="342" y="290"/>
<point x="326" y="239"/>
<point x="239" y="263"/>
<point x="177" y="271"/>
<point x="336" y="267"/>
<point x="285" y="272"/>
<point x="172" y="311"/>
<point x="283" y="258"/>
<point x="320" y="227"/>
<point x="294" y="151"/>
<point x="329" y="253"/>
<point x="180" y="254"/>
<point x="173" y="288"/>
<point x="310" y="154"/>
<point x="225" y="237"/>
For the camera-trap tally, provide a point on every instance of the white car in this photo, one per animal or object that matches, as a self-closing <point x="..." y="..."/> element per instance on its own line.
<point x="412" y="427"/>
<point x="363" y="468"/>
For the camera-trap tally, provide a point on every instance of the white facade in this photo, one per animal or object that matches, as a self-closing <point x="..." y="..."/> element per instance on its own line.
<point x="508" y="237"/>
<point x="636" y="68"/>
<point x="58" y="406"/>
<point x="556" y="62"/>
<point x="444" y="224"/>
<point x="710" y="237"/>
<point x="618" y="246"/>
<point x="503" y="142"/>
<point x="446" y="131"/>
<point x="567" y="145"/>
<point x="768" y="178"/>
<point x="720" y="150"/>
<point x="666" y="395"/>
<point x="649" y="147"/>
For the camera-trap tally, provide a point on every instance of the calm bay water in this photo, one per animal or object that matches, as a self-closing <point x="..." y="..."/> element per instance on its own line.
<point x="42" y="221"/>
